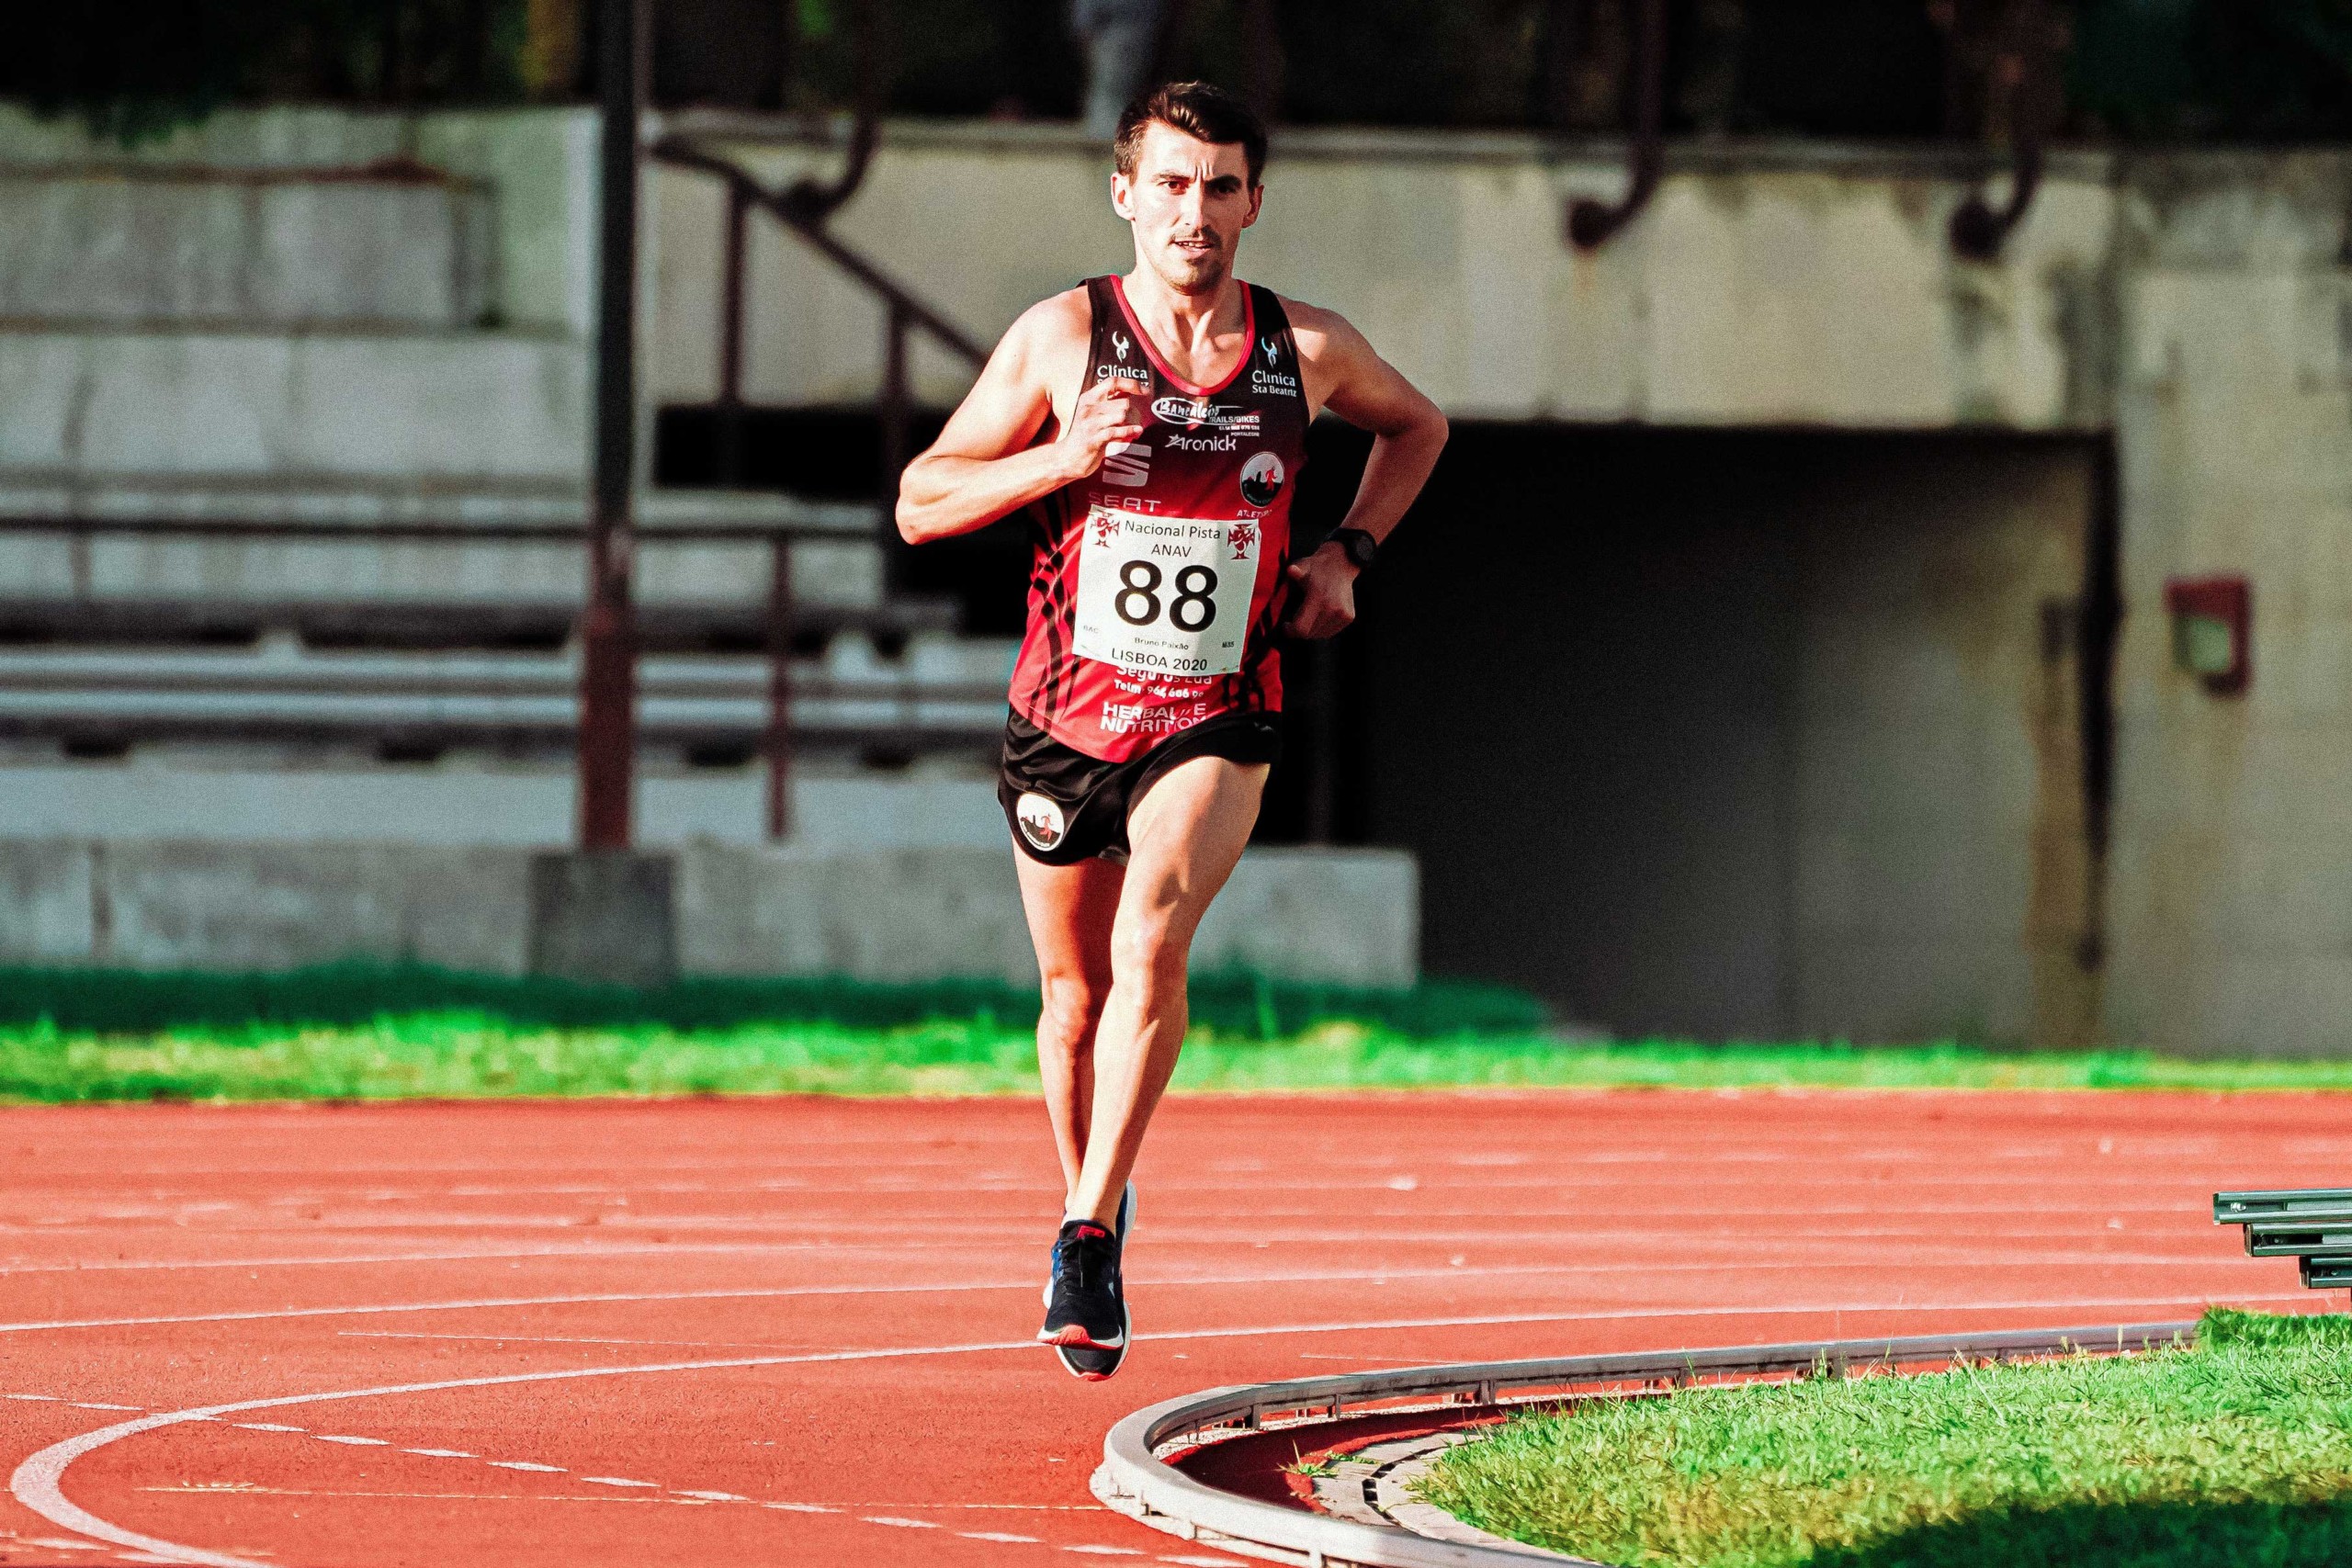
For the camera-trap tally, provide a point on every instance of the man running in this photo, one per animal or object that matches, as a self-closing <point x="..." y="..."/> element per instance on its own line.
<point x="1154" y="426"/>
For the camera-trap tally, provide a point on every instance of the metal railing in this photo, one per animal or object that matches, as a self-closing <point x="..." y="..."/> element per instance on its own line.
<point x="803" y="206"/>
<point x="524" y="699"/>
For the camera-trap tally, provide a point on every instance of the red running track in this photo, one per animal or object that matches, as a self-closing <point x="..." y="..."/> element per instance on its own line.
<point x="707" y="1333"/>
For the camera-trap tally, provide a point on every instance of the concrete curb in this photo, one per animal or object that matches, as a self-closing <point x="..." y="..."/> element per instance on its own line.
<point x="1136" y="1480"/>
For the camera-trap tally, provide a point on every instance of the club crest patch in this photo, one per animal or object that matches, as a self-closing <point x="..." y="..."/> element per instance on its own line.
<point x="1040" y="819"/>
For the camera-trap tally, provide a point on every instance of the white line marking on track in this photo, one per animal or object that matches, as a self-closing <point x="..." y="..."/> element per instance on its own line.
<point x="267" y="1427"/>
<point x="356" y="1442"/>
<point x="37" y="1483"/>
<point x="997" y="1534"/>
<point x="617" y="1481"/>
<point x="1105" y="1550"/>
<point x="47" y="1398"/>
<point x="894" y="1519"/>
<point x="81" y="1404"/>
<point x="801" y="1507"/>
<point x="716" y="1497"/>
<point x="1308" y="1276"/>
<point x="362" y="1259"/>
<point x="440" y="1453"/>
<point x="525" y="1464"/>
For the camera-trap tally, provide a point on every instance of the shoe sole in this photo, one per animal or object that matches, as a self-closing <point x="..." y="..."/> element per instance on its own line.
<point x="1098" y="1374"/>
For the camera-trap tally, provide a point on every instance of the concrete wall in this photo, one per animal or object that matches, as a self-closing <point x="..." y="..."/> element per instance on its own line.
<point x="1339" y="916"/>
<point x="2231" y="890"/>
<point x="1765" y="285"/>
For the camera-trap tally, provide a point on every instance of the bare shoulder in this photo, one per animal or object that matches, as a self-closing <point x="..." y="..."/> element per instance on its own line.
<point x="1322" y="333"/>
<point x="1044" y="348"/>
<point x="1332" y="354"/>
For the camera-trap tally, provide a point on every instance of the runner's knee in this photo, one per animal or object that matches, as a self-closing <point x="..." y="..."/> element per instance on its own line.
<point x="1151" y="949"/>
<point x="1071" y="1005"/>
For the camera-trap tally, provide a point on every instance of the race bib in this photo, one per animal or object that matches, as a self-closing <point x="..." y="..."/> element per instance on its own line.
<point x="1166" y="595"/>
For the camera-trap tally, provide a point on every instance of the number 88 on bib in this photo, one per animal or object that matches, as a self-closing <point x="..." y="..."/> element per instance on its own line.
<point x="1166" y="595"/>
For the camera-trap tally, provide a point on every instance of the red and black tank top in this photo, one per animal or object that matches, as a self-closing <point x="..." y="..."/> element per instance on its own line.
<point x="1157" y="582"/>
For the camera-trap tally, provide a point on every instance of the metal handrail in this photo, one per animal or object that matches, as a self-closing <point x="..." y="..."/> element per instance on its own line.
<point x="1590" y="222"/>
<point x="903" y="310"/>
<point x="776" y="534"/>
<point x="1136" y="1480"/>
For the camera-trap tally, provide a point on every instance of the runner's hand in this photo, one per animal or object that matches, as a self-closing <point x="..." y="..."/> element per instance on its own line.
<point x="1323" y="594"/>
<point x="1109" y="410"/>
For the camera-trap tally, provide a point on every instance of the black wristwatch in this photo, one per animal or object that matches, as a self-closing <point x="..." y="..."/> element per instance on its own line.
<point x="1357" y="545"/>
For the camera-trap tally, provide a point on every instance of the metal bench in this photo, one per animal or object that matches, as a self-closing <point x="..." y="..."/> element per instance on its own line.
<point x="2312" y="1225"/>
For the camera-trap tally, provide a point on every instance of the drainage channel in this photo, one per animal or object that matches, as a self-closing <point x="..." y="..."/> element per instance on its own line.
<point x="1371" y="1518"/>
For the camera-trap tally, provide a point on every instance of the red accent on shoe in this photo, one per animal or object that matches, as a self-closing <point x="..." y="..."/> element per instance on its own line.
<point x="1091" y="1232"/>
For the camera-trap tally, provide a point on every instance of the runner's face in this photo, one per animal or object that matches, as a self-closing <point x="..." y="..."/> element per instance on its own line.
<point x="1189" y="202"/>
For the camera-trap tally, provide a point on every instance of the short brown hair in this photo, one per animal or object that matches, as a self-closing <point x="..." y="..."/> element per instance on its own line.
<point x="1198" y="110"/>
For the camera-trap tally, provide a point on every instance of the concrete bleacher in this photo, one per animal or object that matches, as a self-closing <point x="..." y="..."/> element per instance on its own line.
<point x="305" y="322"/>
<point x="294" y="440"/>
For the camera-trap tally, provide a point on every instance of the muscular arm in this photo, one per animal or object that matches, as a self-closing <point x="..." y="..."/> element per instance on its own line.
<point x="1347" y="377"/>
<point x="987" y="461"/>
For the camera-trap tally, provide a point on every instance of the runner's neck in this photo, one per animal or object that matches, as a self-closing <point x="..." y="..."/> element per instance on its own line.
<point x="1204" y="338"/>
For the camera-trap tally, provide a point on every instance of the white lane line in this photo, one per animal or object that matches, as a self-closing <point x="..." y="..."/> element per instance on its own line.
<point x="1336" y="1276"/>
<point x="525" y="1464"/>
<point x="37" y="1483"/>
<point x="267" y="1427"/>
<point x="716" y="1497"/>
<point x="801" y="1507"/>
<point x="364" y="1259"/>
<point x="91" y="1405"/>
<point x="997" y="1534"/>
<point x="617" y="1481"/>
<point x="45" y="1398"/>
<point x="1105" y="1550"/>
<point x="356" y="1442"/>
<point x="440" y="1453"/>
<point x="893" y="1519"/>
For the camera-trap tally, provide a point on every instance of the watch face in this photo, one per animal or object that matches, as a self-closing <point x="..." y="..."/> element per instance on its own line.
<point x="1359" y="546"/>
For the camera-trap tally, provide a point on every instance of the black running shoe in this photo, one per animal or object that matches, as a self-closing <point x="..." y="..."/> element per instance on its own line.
<point x="1085" y="1361"/>
<point x="1084" y="1308"/>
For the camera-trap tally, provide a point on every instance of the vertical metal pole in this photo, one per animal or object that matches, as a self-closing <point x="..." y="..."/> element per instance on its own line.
<point x="894" y="408"/>
<point x="1323" y="737"/>
<point x="730" y="342"/>
<point x="779" y="736"/>
<point x="608" y="631"/>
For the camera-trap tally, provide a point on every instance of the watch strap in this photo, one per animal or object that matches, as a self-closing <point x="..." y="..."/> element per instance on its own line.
<point x="1357" y="544"/>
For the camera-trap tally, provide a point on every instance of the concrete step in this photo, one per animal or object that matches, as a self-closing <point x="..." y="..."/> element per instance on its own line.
<point x="950" y="694"/>
<point x="387" y="246"/>
<point x="129" y="404"/>
<point x="185" y="578"/>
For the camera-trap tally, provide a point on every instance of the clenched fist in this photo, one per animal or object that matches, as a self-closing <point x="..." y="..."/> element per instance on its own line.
<point x="1109" y="411"/>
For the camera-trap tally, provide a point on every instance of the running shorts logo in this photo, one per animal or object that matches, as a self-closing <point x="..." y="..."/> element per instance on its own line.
<point x="1040" y="819"/>
<point x="1262" y="479"/>
<point x="1126" y="463"/>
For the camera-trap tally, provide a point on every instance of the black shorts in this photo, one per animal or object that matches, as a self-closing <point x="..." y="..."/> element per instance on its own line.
<point x="1065" y="807"/>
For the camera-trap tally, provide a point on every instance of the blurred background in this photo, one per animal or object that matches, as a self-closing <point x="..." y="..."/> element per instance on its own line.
<point x="1892" y="577"/>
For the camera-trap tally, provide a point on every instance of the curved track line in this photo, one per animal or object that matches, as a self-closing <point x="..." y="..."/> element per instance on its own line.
<point x="37" y="1483"/>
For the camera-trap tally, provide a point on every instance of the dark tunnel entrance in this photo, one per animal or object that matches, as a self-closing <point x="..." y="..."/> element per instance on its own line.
<point x="1746" y="735"/>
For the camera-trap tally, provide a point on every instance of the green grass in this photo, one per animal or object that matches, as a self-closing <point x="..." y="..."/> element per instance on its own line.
<point x="2236" y="1452"/>
<point x="366" y="1031"/>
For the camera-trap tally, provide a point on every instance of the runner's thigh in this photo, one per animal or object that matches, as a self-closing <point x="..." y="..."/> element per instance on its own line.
<point x="1070" y="909"/>
<point x="1186" y="835"/>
